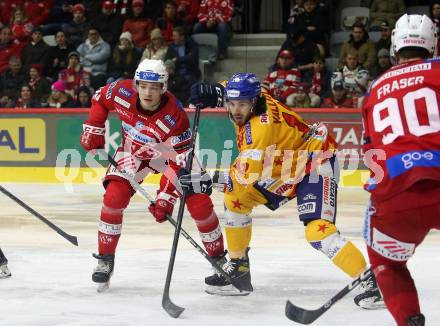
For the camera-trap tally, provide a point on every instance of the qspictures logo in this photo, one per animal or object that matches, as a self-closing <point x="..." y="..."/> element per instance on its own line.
<point x="22" y="140"/>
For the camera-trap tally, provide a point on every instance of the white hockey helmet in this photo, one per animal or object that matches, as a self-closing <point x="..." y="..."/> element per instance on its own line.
<point x="414" y="31"/>
<point x="152" y="71"/>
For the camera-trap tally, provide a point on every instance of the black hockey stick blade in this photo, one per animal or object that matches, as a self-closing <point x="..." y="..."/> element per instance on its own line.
<point x="72" y="239"/>
<point x="301" y="315"/>
<point x="306" y="316"/>
<point x="170" y="307"/>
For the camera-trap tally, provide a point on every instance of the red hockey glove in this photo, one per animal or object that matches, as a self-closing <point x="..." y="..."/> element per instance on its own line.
<point x="164" y="206"/>
<point x="92" y="137"/>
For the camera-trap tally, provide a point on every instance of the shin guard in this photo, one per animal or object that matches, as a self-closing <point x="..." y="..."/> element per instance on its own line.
<point x="202" y="211"/>
<point x="116" y="199"/>
<point x="324" y="236"/>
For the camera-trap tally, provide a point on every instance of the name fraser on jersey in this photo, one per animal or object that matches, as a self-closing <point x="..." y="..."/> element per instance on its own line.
<point x="399" y="84"/>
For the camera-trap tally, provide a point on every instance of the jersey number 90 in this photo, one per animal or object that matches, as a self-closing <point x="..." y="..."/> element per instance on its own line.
<point x="392" y="117"/>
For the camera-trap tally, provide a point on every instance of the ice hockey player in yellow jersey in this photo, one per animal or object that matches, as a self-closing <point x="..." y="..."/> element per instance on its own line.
<point x="280" y="157"/>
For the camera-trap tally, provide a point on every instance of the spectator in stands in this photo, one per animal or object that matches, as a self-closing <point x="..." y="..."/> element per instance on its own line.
<point x="291" y="10"/>
<point x="319" y="78"/>
<point x="383" y="63"/>
<point x="385" y="36"/>
<point x="138" y="25"/>
<point x="6" y="101"/>
<point x="214" y="17"/>
<point x="25" y="100"/>
<point x="338" y="97"/>
<point x="60" y="13"/>
<point x="169" y="20"/>
<point x="37" y="11"/>
<point x="304" y="50"/>
<point x="184" y="53"/>
<point x="39" y="85"/>
<point x="108" y="24"/>
<point x="359" y="41"/>
<point x="21" y="27"/>
<point x="362" y="78"/>
<point x="153" y="9"/>
<point x="58" y="56"/>
<point x="36" y="51"/>
<point x="314" y="22"/>
<point x="124" y="60"/>
<point x="83" y="97"/>
<point x="12" y="79"/>
<point x="350" y="69"/>
<point x="434" y="9"/>
<point x="303" y="99"/>
<point x="176" y="83"/>
<point x="76" y="30"/>
<point x="188" y="10"/>
<point x="74" y="76"/>
<point x="8" y="47"/>
<point x="283" y="78"/>
<point x="58" y="97"/>
<point x="157" y="48"/>
<point x="7" y="7"/>
<point x="94" y="54"/>
<point x="389" y="10"/>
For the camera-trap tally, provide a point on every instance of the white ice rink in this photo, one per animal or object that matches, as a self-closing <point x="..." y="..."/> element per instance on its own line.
<point x="51" y="282"/>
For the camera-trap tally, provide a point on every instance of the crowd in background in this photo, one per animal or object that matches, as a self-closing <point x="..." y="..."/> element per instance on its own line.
<point x="99" y="42"/>
<point x="299" y="77"/>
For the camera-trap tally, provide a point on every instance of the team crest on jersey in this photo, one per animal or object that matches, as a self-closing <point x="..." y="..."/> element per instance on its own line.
<point x="110" y="90"/>
<point x="248" y="133"/>
<point x="124" y="92"/>
<point x="170" y="121"/>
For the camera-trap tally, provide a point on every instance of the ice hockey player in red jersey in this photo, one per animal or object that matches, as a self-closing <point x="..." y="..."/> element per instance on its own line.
<point x="402" y="127"/>
<point x="155" y="137"/>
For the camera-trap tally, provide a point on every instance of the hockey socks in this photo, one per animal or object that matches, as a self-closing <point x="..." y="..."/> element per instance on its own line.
<point x="324" y="236"/>
<point x="116" y="199"/>
<point x="202" y="211"/>
<point x="399" y="292"/>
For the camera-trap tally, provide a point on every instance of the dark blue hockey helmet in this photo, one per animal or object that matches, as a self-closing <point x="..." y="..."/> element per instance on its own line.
<point x="243" y="86"/>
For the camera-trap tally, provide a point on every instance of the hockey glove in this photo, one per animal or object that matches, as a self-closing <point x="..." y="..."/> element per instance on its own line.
<point x="207" y="95"/>
<point x="164" y="206"/>
<point x="92" y="137"/>
<point x="195" y="183"/>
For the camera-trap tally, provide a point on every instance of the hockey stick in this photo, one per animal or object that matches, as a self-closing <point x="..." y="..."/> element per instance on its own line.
<point x="305" y="316"/>
<point x="173" y="309"/>
<point x="136" y="186"/>
<point x="72" y="239"/>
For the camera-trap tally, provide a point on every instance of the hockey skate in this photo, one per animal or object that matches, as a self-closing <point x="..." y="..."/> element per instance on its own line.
<point x="238" y="270"/>
<point x="4" y="270"/>
<point x="104" y="271"/>
<point x="416" y="320"/>
<point x="370" y="298"/>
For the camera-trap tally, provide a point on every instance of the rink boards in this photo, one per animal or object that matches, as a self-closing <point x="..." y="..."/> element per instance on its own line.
<point x="42" y="146"/>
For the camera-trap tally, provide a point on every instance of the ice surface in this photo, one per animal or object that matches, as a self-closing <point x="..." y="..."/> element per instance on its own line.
<point x="51" y="282"/>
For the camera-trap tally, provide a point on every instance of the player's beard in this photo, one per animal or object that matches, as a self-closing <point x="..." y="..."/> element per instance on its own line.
<point x="240" y="119"/>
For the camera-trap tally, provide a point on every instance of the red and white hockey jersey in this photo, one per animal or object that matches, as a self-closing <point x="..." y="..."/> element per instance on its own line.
<point x="282" y="83"/>
<point x="157" y="137"/>
<point x="401" y="119"/>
